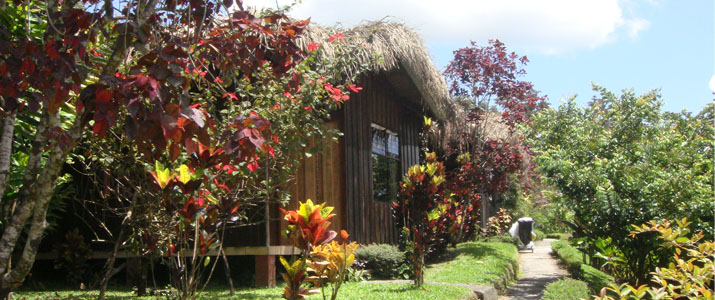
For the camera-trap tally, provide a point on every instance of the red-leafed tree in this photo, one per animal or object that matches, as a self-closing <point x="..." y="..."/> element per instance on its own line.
<point x="197" y="95"/>
<point x="485" y="80"/>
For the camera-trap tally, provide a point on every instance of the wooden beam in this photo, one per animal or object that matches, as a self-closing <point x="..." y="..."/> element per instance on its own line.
<point x="258" y="250"/>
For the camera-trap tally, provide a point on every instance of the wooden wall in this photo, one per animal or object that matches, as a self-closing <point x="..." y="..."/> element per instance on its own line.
<point x="321" y="177"/>
<point x="369" y="221"/>
<point x="341" y="174"/>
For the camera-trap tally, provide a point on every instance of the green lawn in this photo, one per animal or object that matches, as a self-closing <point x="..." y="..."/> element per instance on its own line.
<point x="482" y="263"/>
<point x="476" y="262"/>
<point x="349" y="291"/>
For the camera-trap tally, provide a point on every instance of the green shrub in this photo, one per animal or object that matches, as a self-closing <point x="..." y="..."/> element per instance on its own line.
<point x="572" y="258"/>
<point x="385" y="261"/>
<point x="566" y="289"/>
<point x="503" y="239"/>
<point x="560" y="236"/>
<point x="595" y="278"/>
<point x="539" y="234"/>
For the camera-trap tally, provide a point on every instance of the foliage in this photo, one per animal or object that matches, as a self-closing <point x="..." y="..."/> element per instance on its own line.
<point x="417" y="211"/>
<point x="330" y="263"/>
<point x="384" y="261"/>
<point x="463" y="209"/>
<point x="498" y="224"/>
<point x="689" y="275"/>
<point x="72" y="256"/>
<point x="538" y="234"/>
<point x="573" y="260"/>
<point x="539" y="204"/>
<point x="489" y="73"/>
<point x="207" y="97"/>
<point x="621" y="161"/>
<point x="308" y="226"/>
<point x="482" y="149"/>
<point x="323" y="260"/>
<point x="485" y="263"/>
<point x="566" y="289"/>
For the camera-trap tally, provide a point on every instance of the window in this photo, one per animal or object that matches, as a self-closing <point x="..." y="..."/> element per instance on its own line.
<point x="385" y="164"/>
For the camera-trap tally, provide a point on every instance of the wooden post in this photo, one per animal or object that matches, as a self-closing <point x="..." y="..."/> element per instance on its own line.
<point x="265" y="271"/>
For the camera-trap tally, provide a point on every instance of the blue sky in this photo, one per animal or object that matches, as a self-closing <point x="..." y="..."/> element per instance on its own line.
<point x="619" y="44"/>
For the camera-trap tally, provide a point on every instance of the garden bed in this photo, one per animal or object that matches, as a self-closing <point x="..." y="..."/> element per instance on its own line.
<point x="572" y="258"/>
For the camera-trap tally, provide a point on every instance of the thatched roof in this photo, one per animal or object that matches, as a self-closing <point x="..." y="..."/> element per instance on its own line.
<point x="397" y="48"/>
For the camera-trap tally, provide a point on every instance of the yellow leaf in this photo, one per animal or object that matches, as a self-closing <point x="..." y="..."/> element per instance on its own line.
<point x="184" y="174"/>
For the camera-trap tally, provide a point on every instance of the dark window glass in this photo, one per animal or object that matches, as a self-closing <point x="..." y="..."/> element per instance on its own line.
<point x="385" y="164"/>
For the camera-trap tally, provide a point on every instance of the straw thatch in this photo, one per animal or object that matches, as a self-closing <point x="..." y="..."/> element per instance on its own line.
<point x="397" y="47"/>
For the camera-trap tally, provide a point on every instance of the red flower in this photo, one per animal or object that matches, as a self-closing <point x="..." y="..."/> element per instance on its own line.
<point x="338" y="36"/>
<point x="230" y="95"/>
<point x="252" y="166"/>
<point x="218" y="80"/>
<point x="313" y="46"/>
<point x="354" y="88"/>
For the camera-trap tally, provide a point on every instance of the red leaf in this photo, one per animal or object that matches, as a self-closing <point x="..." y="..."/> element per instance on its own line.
<point x="103" y="97"/>
<point x="190" y="145"/>
<point x="174" y="151"/>
<point x="100" y="127"/>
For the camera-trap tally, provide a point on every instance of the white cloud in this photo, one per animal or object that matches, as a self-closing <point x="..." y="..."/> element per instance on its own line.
<point x="546" y="26"/>
<point x="635" y="26"/>
<point x="712" y="83"/>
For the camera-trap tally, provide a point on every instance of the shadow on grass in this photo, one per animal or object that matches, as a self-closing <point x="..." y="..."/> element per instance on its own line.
<point x="401" y="289"/>
<point x="251" y="295"/>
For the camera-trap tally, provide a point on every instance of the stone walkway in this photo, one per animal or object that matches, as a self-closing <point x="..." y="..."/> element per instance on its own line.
<point x="537" y="270"/>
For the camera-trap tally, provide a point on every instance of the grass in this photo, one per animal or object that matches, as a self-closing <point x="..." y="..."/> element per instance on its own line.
<point x="485" y="263"/>
<point x="572" y="258"/>
<point x="482" y="263"/>
<point x="566" y="289"/>
<point x="349" y="291"/>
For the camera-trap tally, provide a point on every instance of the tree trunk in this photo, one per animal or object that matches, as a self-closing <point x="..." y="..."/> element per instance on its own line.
<point x="8" y="130"/>
<point x="28" y="193"/>
<point x="228" y="273"/>
<point x="109" y="267"/>
<point x="43" y="188"/>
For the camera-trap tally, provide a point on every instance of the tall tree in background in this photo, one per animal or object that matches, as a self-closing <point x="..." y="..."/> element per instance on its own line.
<point x="621" y="161"/>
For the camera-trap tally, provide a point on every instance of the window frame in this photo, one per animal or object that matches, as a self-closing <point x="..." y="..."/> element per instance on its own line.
<point x="387" y="154"/>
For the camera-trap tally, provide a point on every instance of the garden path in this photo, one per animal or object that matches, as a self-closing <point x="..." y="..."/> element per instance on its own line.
<point x="537" y="270"/>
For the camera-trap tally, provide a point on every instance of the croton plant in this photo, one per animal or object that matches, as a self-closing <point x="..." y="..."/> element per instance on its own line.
<point x="323" y="261"/>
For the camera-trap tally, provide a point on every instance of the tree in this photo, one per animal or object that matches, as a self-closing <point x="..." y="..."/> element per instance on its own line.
<point x="620" y="161"/>
<point x="485" y="81"/>
<point x="176" y="80"/>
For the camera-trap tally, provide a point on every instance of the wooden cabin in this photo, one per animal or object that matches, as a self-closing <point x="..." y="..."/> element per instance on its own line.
<point x="359" y="174"/>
